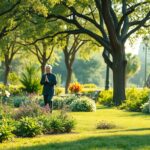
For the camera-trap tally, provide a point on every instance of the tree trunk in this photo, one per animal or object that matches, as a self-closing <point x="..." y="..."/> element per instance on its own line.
<point x="7" y="70"/>
<point x="43" y="67"/>
<point x="119" y="65"/>
<point x="68" y="79"/>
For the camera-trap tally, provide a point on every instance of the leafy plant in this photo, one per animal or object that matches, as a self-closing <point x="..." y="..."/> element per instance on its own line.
<point x="105" y="125"/>
<point x="75" y="88"/>
<point x="83" y="104"/>
<point x="29" y="127"/>
<point x="6" y="130"/>
<point x="146" y="108"/>
<point x="30" y="79"/>
<point x="30" y="110"/>
<point x="106" y="98"/>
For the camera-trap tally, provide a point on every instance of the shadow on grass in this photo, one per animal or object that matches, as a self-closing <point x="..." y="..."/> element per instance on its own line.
<point x="137" y="129"/>
<point x="123" y="142"/>
<point x="104" y="107"/>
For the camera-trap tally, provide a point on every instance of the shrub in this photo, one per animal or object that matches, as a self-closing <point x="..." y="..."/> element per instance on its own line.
<point x="146" y="108"/>
<point x="29" y="127"/>
<point x="6" y="112"/>
<point x="20" y="100"/>
<point x="31" y="110"/>
<point x="68" y="125"/>
<point x="59" y="90"/>
<point x="6" y="129"/>
<point x="137" y="97"/>
<point x="83" y="104"/>
<point x="69" y="99"/>
<point x="61" y="124"/>
<point x="105" y="125"/>
<point x="89" y="86"/>
<point x="57" y="124"/>
<point x="58" y="102"/>
<point x="30" y="80"/>
<point x="13" y="78"/>
<point x="106" y="98"/>
<point x="75" y="88"/>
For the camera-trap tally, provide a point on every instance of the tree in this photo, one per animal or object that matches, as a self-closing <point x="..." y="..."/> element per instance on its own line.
<point x="110" y="28"/>
<point x="43" y="51"/>
<point x="133" y="65"/>
<point x="72" y="46"/>
<point x="9" y="49"/>
<point x="9" y="18"/>
<point x="147" y="84"/>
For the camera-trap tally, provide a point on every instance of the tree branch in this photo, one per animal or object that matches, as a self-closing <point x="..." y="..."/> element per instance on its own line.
<point x="141" y="23"/>
<point x="127" y="12"/>
<point x="107" y="59"/>
<point x="10" y="9"/>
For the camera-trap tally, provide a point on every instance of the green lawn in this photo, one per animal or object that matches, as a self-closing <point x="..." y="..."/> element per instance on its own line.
<point x="133" y="133"/>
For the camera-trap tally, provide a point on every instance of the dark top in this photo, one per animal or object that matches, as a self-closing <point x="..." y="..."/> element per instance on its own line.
<point x="48" y="88"/>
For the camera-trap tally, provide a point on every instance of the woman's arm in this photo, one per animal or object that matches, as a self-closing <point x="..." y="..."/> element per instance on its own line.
<point x="42" y="82"/>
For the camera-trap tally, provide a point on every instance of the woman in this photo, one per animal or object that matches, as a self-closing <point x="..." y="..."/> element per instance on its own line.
<point x="48" y="81"/>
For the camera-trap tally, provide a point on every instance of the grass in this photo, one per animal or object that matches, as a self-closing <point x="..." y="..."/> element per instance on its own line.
<point x="132" y="133"/>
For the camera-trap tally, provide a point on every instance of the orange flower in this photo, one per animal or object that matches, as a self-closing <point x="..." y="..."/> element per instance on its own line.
<point x="75" y="87"/>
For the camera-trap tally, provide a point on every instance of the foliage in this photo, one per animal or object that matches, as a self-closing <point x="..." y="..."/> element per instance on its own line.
<point x="30" y="79"/>
<point x="83" y="104"/>
<point x="13" y="78"/>
<point x="146" y="108"/>
<point x="6" y="129"/>
<point x="28" y="127"/>
<point x="59" y="90"/>
<point x="105" y="98"/>
<point x="58" y="102"/>
<point x="75" y="88"/>
<point x="29" y="110"/>
<point x="105" y="125"/>
<point x="135" y="99"/>
<point x="20" y="100"/>
<point x="92" y="85"/>
<point x="133" y="65"/>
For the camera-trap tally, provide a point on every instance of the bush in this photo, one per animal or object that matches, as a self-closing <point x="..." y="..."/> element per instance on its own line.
<point x="29" y="127"/>
<point x="6" y="112"/>
<point x="89" y="86"/>
<point x="75" y="88"/>
<point x="146" y="108"/>
<point x="6" y="129"/>
<point x="20" y="100"/>
<point x="69" y="99"/>
<point x="105" y="125"/>
<point x="106" y="98"/>
<point x="58" y="102"/>
<point x="59" y="90"/>
<point x="136" y="98"/>
<point x="57" y="124"/>
<point x="83" y="104"/>
<point x="30" y="79"/>
<point x="61" y="124"/>
<point x="31" y="110"/>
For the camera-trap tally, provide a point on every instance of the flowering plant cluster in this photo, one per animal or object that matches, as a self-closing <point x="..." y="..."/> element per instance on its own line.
<point x="75" y="88"/>
<point x="4" y="95"/>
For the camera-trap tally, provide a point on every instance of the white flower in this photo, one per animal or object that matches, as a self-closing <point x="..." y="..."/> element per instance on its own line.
<point x="7" y="93"/>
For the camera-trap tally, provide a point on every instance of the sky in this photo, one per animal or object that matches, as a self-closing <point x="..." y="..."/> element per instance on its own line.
<point x="134" y="48"/>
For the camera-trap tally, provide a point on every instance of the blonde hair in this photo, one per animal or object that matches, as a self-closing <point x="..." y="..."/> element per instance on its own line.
<point x="49" y="66"/>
